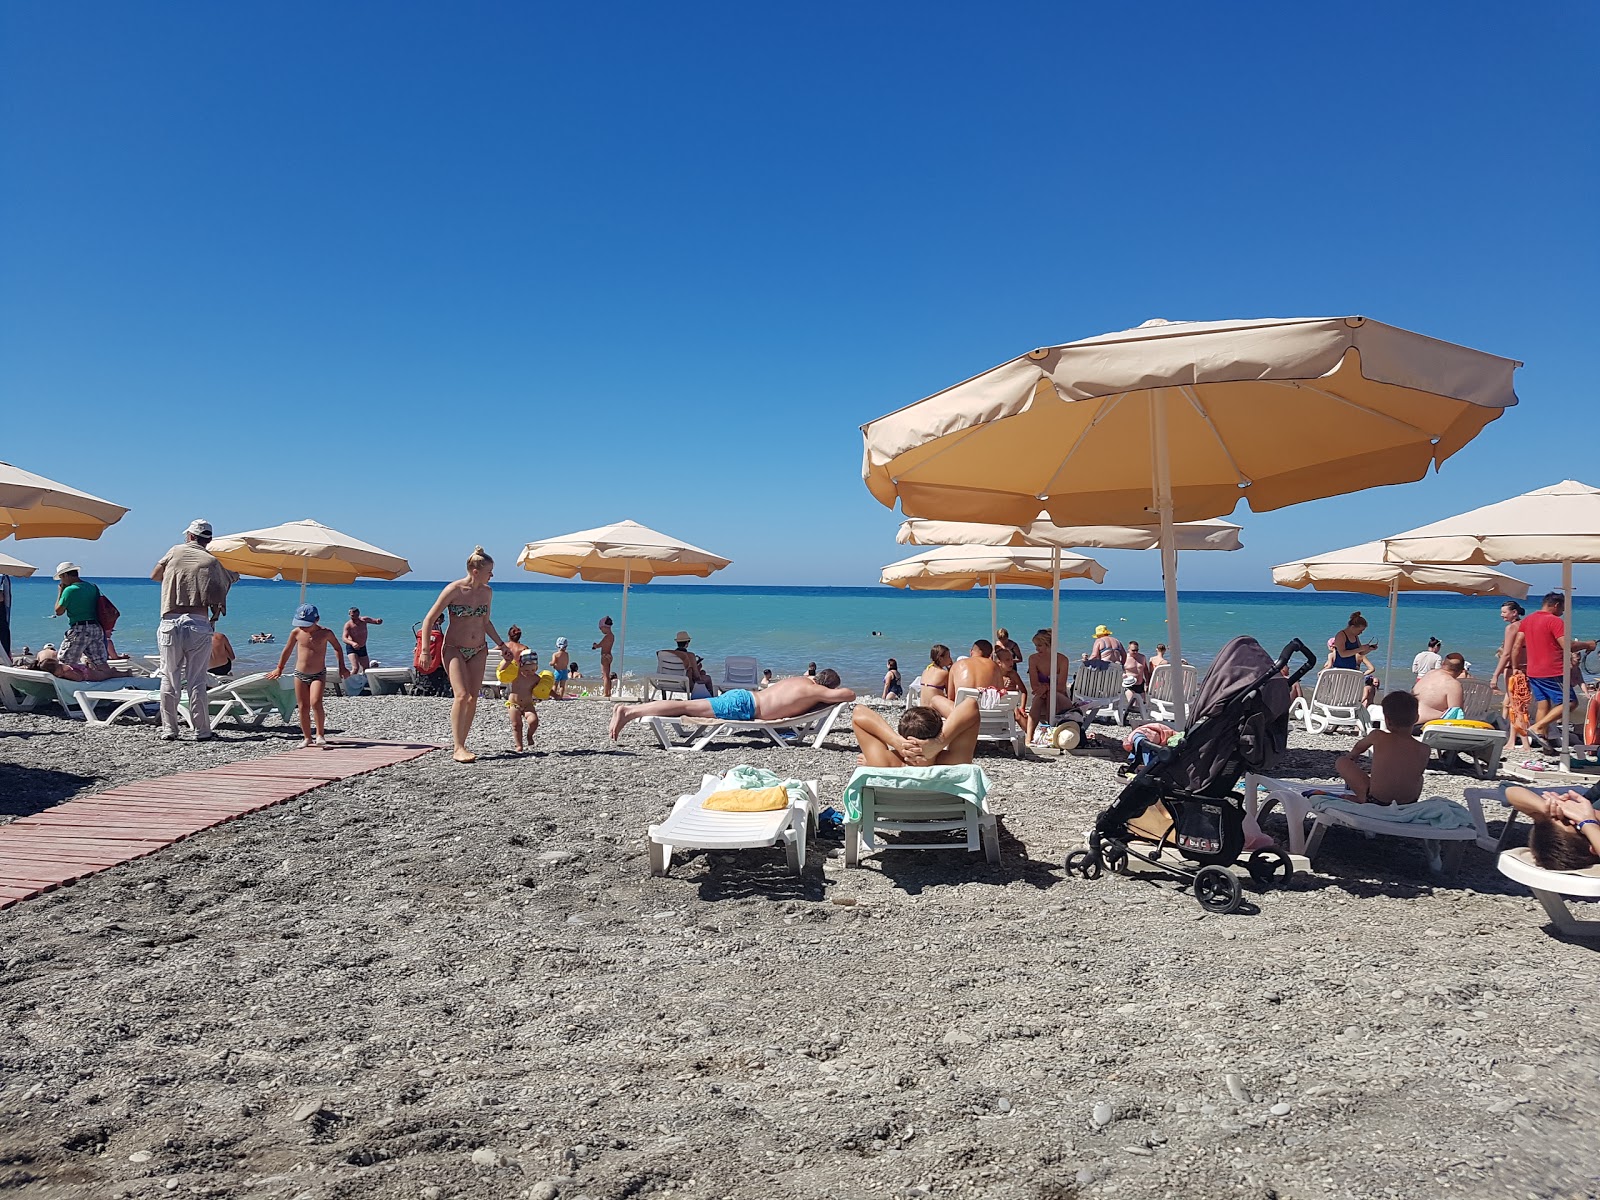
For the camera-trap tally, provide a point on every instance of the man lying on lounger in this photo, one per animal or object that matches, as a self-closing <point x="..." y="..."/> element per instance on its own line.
<point x="924" y="739"/>
<point x="786" y="698"/>
<point x="1566" y="832"/>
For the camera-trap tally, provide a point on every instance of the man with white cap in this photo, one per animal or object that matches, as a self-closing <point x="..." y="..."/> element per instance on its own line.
<point x="84" y="646"/>
<point x="194" y="593"/>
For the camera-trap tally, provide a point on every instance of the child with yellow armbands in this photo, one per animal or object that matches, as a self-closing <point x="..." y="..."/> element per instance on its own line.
<point x="525" y="686"/>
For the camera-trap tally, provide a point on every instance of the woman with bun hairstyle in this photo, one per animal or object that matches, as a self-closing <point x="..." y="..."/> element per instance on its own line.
<point x="1350" y="653"/>
<point x="467" y="602"/>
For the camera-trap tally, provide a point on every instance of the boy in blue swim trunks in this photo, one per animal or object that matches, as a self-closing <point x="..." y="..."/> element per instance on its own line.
<point x="786" y="698"/>
<point x="560" y="662"/>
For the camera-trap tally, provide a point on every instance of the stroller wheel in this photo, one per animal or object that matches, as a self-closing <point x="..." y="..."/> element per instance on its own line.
<point x="1217" y="889"/>
<point x="1078" y="863"/>
<point x="1270" y="868"/>
<point x="1117" y="859"/>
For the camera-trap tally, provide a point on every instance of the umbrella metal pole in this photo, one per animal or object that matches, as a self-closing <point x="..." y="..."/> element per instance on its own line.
<point x="994" y="612"/>
<point x="1388" y="656"/>
<point x="1055" y="629"/>
<point x="1566" y="670"/>
<point x="305" y="565"/>
<point x="1161" y="466"/>
<point x="622" y="635"/>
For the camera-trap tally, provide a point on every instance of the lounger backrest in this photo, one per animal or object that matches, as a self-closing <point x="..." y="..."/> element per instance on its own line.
<point x="27" y="689"/>
<point x="1477" y="700"/>
<point x="1098" y="681"/>
<point x="741" y="671"/>
<point x="1338" y="687"/>
<point x="668" y="663"/>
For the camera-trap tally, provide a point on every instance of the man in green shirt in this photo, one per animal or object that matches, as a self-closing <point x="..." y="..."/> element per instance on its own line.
<point x="84" y="645"/>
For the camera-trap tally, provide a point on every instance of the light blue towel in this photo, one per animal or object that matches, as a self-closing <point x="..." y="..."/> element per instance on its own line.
<point x="755" y="778"/>
<point x="1435" y="811"/>
<point x="963" y="780"/>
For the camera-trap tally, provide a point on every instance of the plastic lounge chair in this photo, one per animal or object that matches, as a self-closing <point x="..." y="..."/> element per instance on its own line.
<point x="913" y="809"/>
<point x="1482" y="747"/>
<point x="1336" y="701"/>
<point x="1098" y="688"/>
<point x="692" y="827"/>
<point x="27" y="691"/>
<point x="1553" y="887"/>
<point x="694" y="733"/>
<point x="1442" y="846"/>
<point x="387" y="681"/>
<point x="1159" y="702"/>
<point x="248" y="700"/>
<point x="998" y="724"/>
<point x="669" y="678"/>
<point x="135" y="697"/>
<point x="741" y="671"/>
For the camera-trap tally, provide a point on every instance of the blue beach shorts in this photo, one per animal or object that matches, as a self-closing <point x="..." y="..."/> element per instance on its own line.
<point x="737" y="705"/>
<point x="1548" y="690"/>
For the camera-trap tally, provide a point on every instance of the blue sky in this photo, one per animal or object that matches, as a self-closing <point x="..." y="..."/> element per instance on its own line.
<point x="440" y="275"/>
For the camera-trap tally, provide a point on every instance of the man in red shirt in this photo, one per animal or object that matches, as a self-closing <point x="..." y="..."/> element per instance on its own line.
<point x="1540" y="638"/>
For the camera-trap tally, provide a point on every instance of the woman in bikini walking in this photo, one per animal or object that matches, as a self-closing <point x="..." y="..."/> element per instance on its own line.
<point x="467" y="602"/>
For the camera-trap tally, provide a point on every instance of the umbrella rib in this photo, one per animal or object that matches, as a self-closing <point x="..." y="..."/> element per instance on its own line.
<point x="943" y="450"/>
<point x="1349" y="403"/>
<point x="1106" y="405"/>
<point x="1194" y="400"/>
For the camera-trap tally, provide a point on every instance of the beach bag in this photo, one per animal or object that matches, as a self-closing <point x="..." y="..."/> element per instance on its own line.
<point x="429" y="654"/>
<point x="106" y="612"/>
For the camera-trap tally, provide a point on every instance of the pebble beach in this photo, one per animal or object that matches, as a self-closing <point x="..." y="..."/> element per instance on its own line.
<point x="460" y="981"/>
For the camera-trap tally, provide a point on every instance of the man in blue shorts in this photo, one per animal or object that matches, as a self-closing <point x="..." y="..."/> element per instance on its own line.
<point x="786" y="698"/>
<point x="1540" y="636"/>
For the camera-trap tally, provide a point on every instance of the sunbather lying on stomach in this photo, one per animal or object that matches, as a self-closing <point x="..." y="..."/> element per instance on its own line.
<point x="924" y="739"/>
<point x="785" y="698"/>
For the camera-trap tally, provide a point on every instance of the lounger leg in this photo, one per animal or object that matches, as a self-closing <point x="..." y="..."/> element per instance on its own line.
<point x="989" y="832"/>
<point x="660" y="856"/>
<point x="1555" y="907"/>
<point x="1314" y="842"/>
<point x="852" y="844"/>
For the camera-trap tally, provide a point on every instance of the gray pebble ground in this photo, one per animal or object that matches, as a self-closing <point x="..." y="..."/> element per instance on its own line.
<point x="442" y="981"/>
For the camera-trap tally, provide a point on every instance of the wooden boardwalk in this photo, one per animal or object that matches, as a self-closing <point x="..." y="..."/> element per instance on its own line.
<point x="83" y="837"/>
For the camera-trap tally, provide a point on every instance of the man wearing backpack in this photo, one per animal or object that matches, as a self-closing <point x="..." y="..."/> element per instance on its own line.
<point x="84" y="645"/>
<point x="194" y="593"/>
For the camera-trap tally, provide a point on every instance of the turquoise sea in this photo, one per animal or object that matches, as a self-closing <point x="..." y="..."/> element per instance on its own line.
<point x="787" y="627"/>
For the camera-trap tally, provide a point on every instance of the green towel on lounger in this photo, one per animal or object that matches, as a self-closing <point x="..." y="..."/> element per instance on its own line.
<point x="745" y="778"/>
<point x="1435" y="811"/>
<point x="964" y="780"/>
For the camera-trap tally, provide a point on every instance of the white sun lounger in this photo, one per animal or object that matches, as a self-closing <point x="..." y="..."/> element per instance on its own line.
<point x="27" y="691"/>
<point x="1159" y="702"/>
<point x="1553" y="887"/>
<point x="133" y="697"/>
<point x="998" y="724"/>
<point x="1099" y="689"/>
<point x="694" y="733"/>
<point x="1308" y="824"/>
<point x="692" y="827"/>
<point x="1336" y="701"/>
<point x="919" y="810"/>
<point x="740" y="671"/>
<point x="387" y="681"/>
<point x="669" y="678"/>
<point x="248" y="700"/>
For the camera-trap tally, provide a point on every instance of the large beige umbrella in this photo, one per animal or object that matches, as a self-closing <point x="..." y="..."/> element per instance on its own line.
<point x="958" y="568"/>
<point x="1273" y="411"/>
<point x="1556" y="524"/>
<point x="308" y="551"/>
<point x="15" y="566"/>
<point x="626" y="553"/>
<point x="1362" y="569"/>
<point x="32" y="506"/>
<point x="1042" y="532"/>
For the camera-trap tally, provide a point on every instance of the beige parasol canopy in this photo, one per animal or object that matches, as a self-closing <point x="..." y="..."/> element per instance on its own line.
<point x="15" y="566"/>
<point x="957" y="568"/>
<point x="32" y="506"/>
<point x="1274" y="411"/>
<point x="1555" y="524"/>
<point x="626" y="553"/>
<point x="1191" y="535"/>
<point x="1363" y="569"/>
<point x="308" y="551"/>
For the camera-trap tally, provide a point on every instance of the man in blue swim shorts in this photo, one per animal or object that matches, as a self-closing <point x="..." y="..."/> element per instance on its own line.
<point x="786" y="698"/>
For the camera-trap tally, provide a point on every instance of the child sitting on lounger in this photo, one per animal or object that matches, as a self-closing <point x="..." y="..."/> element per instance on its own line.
<point x="1566" y="832"/>
<point x="1398" y="759"/>
<point x="311" y="640"/>
<point x="924" y="739"/>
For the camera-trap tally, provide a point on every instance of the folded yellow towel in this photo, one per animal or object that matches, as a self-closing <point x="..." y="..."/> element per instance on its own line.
<point x="748" y="800"/>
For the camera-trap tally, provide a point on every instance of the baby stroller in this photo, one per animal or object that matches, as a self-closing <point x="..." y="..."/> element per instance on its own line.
<point x="1181" y="806"/>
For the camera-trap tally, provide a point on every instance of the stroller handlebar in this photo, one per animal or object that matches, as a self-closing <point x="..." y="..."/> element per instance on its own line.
<point x="1289" y="651"/>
